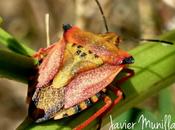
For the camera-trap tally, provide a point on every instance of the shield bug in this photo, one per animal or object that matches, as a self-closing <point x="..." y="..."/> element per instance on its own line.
<point x="75" y="72"/>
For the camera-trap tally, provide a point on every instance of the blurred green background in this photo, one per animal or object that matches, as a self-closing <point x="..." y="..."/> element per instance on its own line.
<point x="131" y="19"/>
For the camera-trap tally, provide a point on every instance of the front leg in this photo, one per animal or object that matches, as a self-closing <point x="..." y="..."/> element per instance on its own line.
<point x="129" y="73"/>
<point x="39" y="55"/>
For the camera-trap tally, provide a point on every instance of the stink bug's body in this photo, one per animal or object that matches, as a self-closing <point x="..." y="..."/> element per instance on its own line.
<point x="73" y="74"/>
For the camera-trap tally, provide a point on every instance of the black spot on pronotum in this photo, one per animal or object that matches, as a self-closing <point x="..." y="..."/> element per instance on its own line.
<point x="83" y="54"/>
<point x="78" y="52"/>
<point x="73" y="44"/>
<point x="79" y="46"/>
<point x="96" y="56"/>
<point x="90" y="52"/>
<point x="66" y="27"/>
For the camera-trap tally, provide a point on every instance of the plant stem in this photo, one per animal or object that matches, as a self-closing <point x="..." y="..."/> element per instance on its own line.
<point x="11" y="43"/>
<point x="15" y="66"/>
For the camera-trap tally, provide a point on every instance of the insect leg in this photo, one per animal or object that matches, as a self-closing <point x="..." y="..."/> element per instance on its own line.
<point x="119" y="95"/>
<point x="99" y="123"/>
<point x="118" y="92"/>
<point x="43" y="51"/>
<point x="129" y="74"/>
<point x="108" y="103"/>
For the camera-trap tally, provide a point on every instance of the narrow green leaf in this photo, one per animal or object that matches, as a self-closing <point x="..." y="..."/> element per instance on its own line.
<point x="8" y="41"/>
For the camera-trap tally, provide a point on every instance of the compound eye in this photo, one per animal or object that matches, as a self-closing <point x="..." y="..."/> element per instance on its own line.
<point x="66" y="27"/>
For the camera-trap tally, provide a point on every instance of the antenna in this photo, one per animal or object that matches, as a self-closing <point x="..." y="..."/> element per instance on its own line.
<point x="150" y="40"/>
<point x="103" y="16"/>
<point x="47" y="29"/>
<point x="156" y="40"/>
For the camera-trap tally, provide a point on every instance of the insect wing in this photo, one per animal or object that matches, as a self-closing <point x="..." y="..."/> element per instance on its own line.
<point x="88" y="83"/>
<point x="51" y="64"/>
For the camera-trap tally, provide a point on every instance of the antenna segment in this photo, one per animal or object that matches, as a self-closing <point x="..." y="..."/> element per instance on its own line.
<point x="103" y="16"/>
<point x="156" y="40"/>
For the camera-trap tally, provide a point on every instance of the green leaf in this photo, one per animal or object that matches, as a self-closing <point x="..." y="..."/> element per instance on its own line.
<point x="11" y="43"/>
<point x="165" y="102"/>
